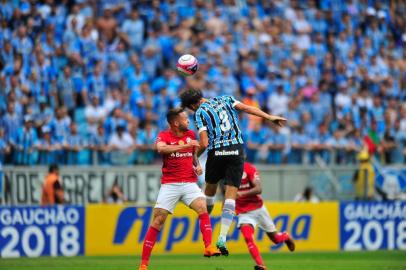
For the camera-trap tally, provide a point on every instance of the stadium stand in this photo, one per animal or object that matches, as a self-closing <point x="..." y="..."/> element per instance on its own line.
<point x="89" y="82"/>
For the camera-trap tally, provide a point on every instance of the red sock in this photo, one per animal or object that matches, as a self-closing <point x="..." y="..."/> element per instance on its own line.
<point x="205" y="228"/>
<point x="248" y="232"/>
<point x="149" y="243"/>
<point x="281" y="237"/>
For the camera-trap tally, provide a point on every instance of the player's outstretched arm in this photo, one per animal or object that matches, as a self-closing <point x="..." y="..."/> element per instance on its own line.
<point x="164" y="148"/>
<point x="280" y="121"/>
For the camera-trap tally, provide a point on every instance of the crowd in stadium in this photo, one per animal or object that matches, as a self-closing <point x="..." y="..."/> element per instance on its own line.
<point x="90" y="82"/>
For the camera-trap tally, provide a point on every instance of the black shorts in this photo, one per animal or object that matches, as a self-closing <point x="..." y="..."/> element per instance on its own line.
<point x="225" y="163"/>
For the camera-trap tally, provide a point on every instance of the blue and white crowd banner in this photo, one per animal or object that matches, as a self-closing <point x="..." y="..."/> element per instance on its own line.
<point x="42" y="231"/>
<point x="373" y="225"/>
<point x="1" y="183"/>
<point x="392" y="181"/>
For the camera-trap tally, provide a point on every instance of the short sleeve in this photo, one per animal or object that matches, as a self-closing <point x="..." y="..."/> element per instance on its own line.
<point x="192" y="135"/>
<point x="161" y="138"/>
<point x="200" y="121"/>
<point x="253" y="174"/>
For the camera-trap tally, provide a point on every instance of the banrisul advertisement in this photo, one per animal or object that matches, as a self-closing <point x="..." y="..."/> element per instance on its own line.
<point x="373" y="225"/>
<point x="41" y="231"/>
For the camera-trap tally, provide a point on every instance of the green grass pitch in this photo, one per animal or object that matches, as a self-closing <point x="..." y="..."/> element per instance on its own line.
<point x="379" y="260"/>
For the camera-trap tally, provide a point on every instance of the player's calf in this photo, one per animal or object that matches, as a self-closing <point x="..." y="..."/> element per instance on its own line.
<point x="282" y="237"/>
<point x="248" y="233"/>
<point x="210" y="203"/>
<point x="290" y="243"/>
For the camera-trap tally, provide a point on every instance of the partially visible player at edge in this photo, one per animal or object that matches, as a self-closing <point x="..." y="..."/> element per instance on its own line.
<point x="217" y="122"/>
<point x="180" y="168"/>
<point x="251" y="211"/>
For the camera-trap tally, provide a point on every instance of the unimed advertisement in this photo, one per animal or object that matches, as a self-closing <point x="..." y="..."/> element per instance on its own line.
<point x="373" y="225"/>
<point x="41" y="231"/>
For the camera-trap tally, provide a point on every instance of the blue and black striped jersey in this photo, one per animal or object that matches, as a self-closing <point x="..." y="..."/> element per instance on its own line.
<point x="219" y="117"/>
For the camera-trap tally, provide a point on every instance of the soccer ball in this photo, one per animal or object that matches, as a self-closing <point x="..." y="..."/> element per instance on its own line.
<point x="187" y="65"/>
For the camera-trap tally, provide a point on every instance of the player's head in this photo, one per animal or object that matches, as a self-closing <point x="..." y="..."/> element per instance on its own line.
<point x="53" y="168"/>
<point x="177" y="119"/>
<point x="191" y="99"/>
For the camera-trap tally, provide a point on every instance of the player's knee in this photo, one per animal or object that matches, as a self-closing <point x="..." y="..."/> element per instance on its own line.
<point x="159" y="220"/>
<point x="200" y="207"/>
<point x="210" y="189"/>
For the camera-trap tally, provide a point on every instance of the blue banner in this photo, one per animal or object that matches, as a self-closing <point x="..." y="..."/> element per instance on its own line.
<point x="388" y="178"/>
<point x="373" y="225"/>
<point x="41" y="231"/>
<point x="1" y="182"/>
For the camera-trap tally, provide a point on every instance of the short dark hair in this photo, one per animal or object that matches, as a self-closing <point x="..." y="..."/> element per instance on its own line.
<point x="190" y="97"/>
<point x="173" y="113"/>
<point x="52" y="168"/>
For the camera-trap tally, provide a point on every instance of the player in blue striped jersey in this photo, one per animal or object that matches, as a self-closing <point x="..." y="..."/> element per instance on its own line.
<point x="217" y="121"/>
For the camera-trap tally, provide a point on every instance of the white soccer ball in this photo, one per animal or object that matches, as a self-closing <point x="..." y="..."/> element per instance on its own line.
<point x="187" y="65"/>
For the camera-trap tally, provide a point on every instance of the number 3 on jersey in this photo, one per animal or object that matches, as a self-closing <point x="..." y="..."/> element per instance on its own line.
<point x="225" y="123"/>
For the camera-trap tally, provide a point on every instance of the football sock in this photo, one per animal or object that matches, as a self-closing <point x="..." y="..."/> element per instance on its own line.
<point x="248" y="232"/>
<point x="210" y="203"/>
<point x="226" y="218"/>
<point x="205" y="228"/>
<point x="280" y="237"/>
<point x="149" y="243"/>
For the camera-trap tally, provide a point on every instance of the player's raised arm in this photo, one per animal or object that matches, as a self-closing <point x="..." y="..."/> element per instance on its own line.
<point x="280" y="121"/>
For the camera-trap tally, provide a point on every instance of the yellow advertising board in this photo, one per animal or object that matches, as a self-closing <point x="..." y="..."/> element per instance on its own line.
<point x="115" y="229"/>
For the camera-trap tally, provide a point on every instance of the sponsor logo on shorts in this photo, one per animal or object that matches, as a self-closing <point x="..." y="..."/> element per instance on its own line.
<point x="227" y="153"/>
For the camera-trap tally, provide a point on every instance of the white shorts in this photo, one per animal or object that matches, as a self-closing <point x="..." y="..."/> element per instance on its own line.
<point x="258" y="216"/>
<point x="170" y="194"/>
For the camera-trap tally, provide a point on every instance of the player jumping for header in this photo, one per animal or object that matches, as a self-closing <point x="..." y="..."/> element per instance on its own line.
<point x="251" y="211"/>
<point x="217" y="122"/>
<point x="179" y="182"/>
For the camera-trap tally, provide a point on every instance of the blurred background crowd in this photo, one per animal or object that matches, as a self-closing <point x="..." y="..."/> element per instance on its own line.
<point x="89" y="82"/>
